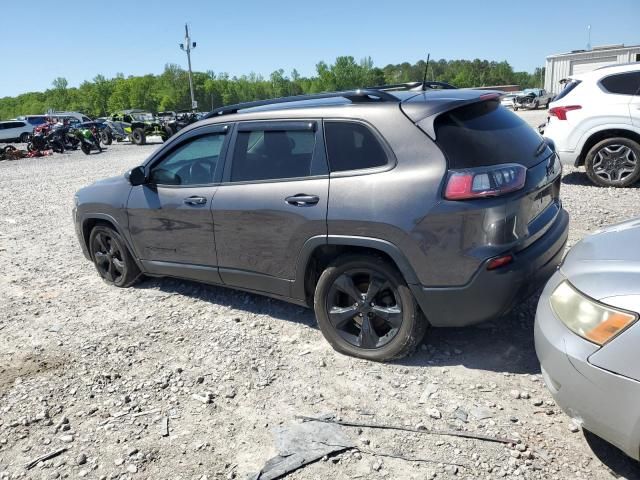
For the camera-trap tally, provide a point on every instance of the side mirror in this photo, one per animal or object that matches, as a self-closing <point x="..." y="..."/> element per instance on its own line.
<point x="136" y="176"/>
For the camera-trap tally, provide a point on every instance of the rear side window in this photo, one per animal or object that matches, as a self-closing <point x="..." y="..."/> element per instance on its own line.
<point x="622" y="84"/>
<point x="36" y="120"/>
<point x="483" y="134"/>
<point x="272" y="154"/>
<point x="352" y="146"/>
<point x="568" y="88"/>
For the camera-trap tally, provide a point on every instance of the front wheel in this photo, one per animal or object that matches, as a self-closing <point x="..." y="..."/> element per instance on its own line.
<point x="24" y="138"/>
<point x="614" y="162"/>
<point x="365" y="309"/>
<point x="106" y="138"/>
<point x="112" y="258"/>
<point x="86" y="148"/>
<point x="138" y="136"/>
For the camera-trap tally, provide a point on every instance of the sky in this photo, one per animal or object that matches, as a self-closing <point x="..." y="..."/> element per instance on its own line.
<point x="244" y="36"/>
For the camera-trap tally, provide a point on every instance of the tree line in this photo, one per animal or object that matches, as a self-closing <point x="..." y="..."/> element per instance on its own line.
<point x="170" y="89"/>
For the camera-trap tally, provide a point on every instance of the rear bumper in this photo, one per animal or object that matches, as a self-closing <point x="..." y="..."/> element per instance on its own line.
<point x="604" y="403"/>
<point x="492" y="293"/>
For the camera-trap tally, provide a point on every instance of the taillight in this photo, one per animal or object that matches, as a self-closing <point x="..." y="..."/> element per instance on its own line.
<point x="485" y="181"/>
<point x="561" y="112"/>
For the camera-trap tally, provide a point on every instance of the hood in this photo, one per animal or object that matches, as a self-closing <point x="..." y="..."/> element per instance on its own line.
<point x="606" y="264"/>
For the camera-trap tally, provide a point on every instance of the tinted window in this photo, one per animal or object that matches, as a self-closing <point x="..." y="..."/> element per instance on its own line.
<point x="192" y="163"/>
<point x="36" y="120"/>
<point x="484" y="133"/>
<point x="272" y="154"/>
<point x="352" y="146"/>
<point x="568" y="87"/>
<point x="623" y="84"/>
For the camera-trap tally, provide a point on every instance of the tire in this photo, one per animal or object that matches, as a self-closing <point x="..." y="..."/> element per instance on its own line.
<point x="25" y="137"/>
<point x="138" y="137"/>
<point x="106" y="138"/>
<point x="535" y="105"/>
<point x="112" y="259"/>
<point x="515" y="109"/>
<point x="31" y="147"/>
<point x="86" y="148"/>
<point x="614" y="162"/>
<point x="388" y="339"/>
<point x="168" y="132"/>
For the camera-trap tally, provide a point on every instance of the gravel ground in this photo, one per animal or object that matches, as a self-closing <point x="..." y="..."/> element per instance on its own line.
<point x="103" y="371"/>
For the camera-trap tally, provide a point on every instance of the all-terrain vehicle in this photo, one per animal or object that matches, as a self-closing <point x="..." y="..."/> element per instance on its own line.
<point x="175" y="121"/>
<point x="142" y="125"/>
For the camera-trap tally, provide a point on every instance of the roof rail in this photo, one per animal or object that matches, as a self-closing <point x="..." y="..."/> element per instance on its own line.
<point x="415" y="86"/>
<point x="356" y="96"/>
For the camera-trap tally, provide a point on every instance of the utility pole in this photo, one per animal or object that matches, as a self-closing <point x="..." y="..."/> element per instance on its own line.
<point x="588" y="37"/>
<point x="189" y="46"/>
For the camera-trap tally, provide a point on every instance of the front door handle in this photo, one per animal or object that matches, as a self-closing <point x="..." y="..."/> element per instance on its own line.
<point x="301" y="200"/>
<point x="195" y="200"/>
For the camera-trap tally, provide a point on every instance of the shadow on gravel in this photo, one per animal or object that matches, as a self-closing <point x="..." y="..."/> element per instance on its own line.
<point x="232" y="298"/>
<point x="619" y="463"/>
<point x="581" y="179"/>
<point x="501" y="345"/>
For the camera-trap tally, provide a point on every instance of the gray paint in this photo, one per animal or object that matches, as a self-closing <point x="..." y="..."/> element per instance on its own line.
<point x="248" y="237"/>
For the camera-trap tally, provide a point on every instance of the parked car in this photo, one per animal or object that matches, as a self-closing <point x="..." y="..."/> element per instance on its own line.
<point x="34" y="120"/>
<point x="80" y="117"/>
<point x="507" y="99"/>
<point x="595" y="122"/>
<point x="338" y="202"/>
<point x="532" y="99"/>
<point x="15" y="131"/>
<point x="587" y="335"/>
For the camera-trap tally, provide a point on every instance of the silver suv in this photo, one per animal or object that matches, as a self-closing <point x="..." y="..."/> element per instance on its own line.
<point x="386" y="210"/>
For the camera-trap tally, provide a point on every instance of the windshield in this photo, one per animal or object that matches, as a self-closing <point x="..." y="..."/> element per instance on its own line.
<point x="142" y="116"/>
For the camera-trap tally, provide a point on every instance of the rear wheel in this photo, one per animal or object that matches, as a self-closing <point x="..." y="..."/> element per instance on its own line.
<point x="24" y="138"/>
<point x="138" y="136"/>
<point x="365" y="309"/>
<point x="112" y="258"/>
<point x="614" y="162"/>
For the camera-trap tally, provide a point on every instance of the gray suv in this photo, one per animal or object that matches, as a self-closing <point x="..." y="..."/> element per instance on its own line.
<point x="387" y="210"/>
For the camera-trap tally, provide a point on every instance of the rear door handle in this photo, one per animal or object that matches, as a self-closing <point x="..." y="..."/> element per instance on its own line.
<point x="301" y="200"/>
<point x="195" y="200"/>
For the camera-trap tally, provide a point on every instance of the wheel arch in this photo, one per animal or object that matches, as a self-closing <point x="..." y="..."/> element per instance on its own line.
<point x="318" y="252"/>
<point x="91" y="221"/>
<point x="600" y="135"/>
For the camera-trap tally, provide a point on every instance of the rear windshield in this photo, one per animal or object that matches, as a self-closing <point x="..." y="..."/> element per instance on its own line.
<point x="485" y="133"/>
<point x="568" y="87"/>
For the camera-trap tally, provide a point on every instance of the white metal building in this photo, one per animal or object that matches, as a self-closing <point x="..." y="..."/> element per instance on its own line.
<point x="562" y="65"/>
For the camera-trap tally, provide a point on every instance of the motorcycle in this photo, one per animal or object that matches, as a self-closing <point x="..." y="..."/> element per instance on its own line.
<point x="88" y="138"/>
<point x="45" y="138"/>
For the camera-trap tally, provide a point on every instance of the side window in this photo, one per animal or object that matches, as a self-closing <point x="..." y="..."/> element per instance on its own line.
<point x="193" y="163"/>
<point x="272" y="155"/>
<point x="622" y="84"/>
<point x="352" y="146"/>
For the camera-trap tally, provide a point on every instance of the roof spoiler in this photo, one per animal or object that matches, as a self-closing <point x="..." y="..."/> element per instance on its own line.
<point x="423" y="109"/>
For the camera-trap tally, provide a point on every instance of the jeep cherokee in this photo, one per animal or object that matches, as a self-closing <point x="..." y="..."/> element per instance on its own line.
<point x="387" y="211"/>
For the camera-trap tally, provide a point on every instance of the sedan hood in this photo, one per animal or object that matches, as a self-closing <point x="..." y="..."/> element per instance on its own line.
<point x="606" y="265"/>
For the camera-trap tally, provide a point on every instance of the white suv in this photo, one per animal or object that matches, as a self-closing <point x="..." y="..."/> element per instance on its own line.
<point x="595" y="122"/>
<point x="15" y="131"/>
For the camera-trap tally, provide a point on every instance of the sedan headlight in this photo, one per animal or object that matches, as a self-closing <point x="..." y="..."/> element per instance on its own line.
<point x="586" y="317"/>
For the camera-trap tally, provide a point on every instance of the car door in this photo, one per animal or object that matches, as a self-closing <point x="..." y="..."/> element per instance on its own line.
<point x="634" y="106"/>
<point x="272" y="199"/>
<point x="170" y="220"/>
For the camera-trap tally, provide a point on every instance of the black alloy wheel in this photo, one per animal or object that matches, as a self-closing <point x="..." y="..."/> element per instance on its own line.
<point x="111" y="257"/>
<point x="365" y="309"/>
